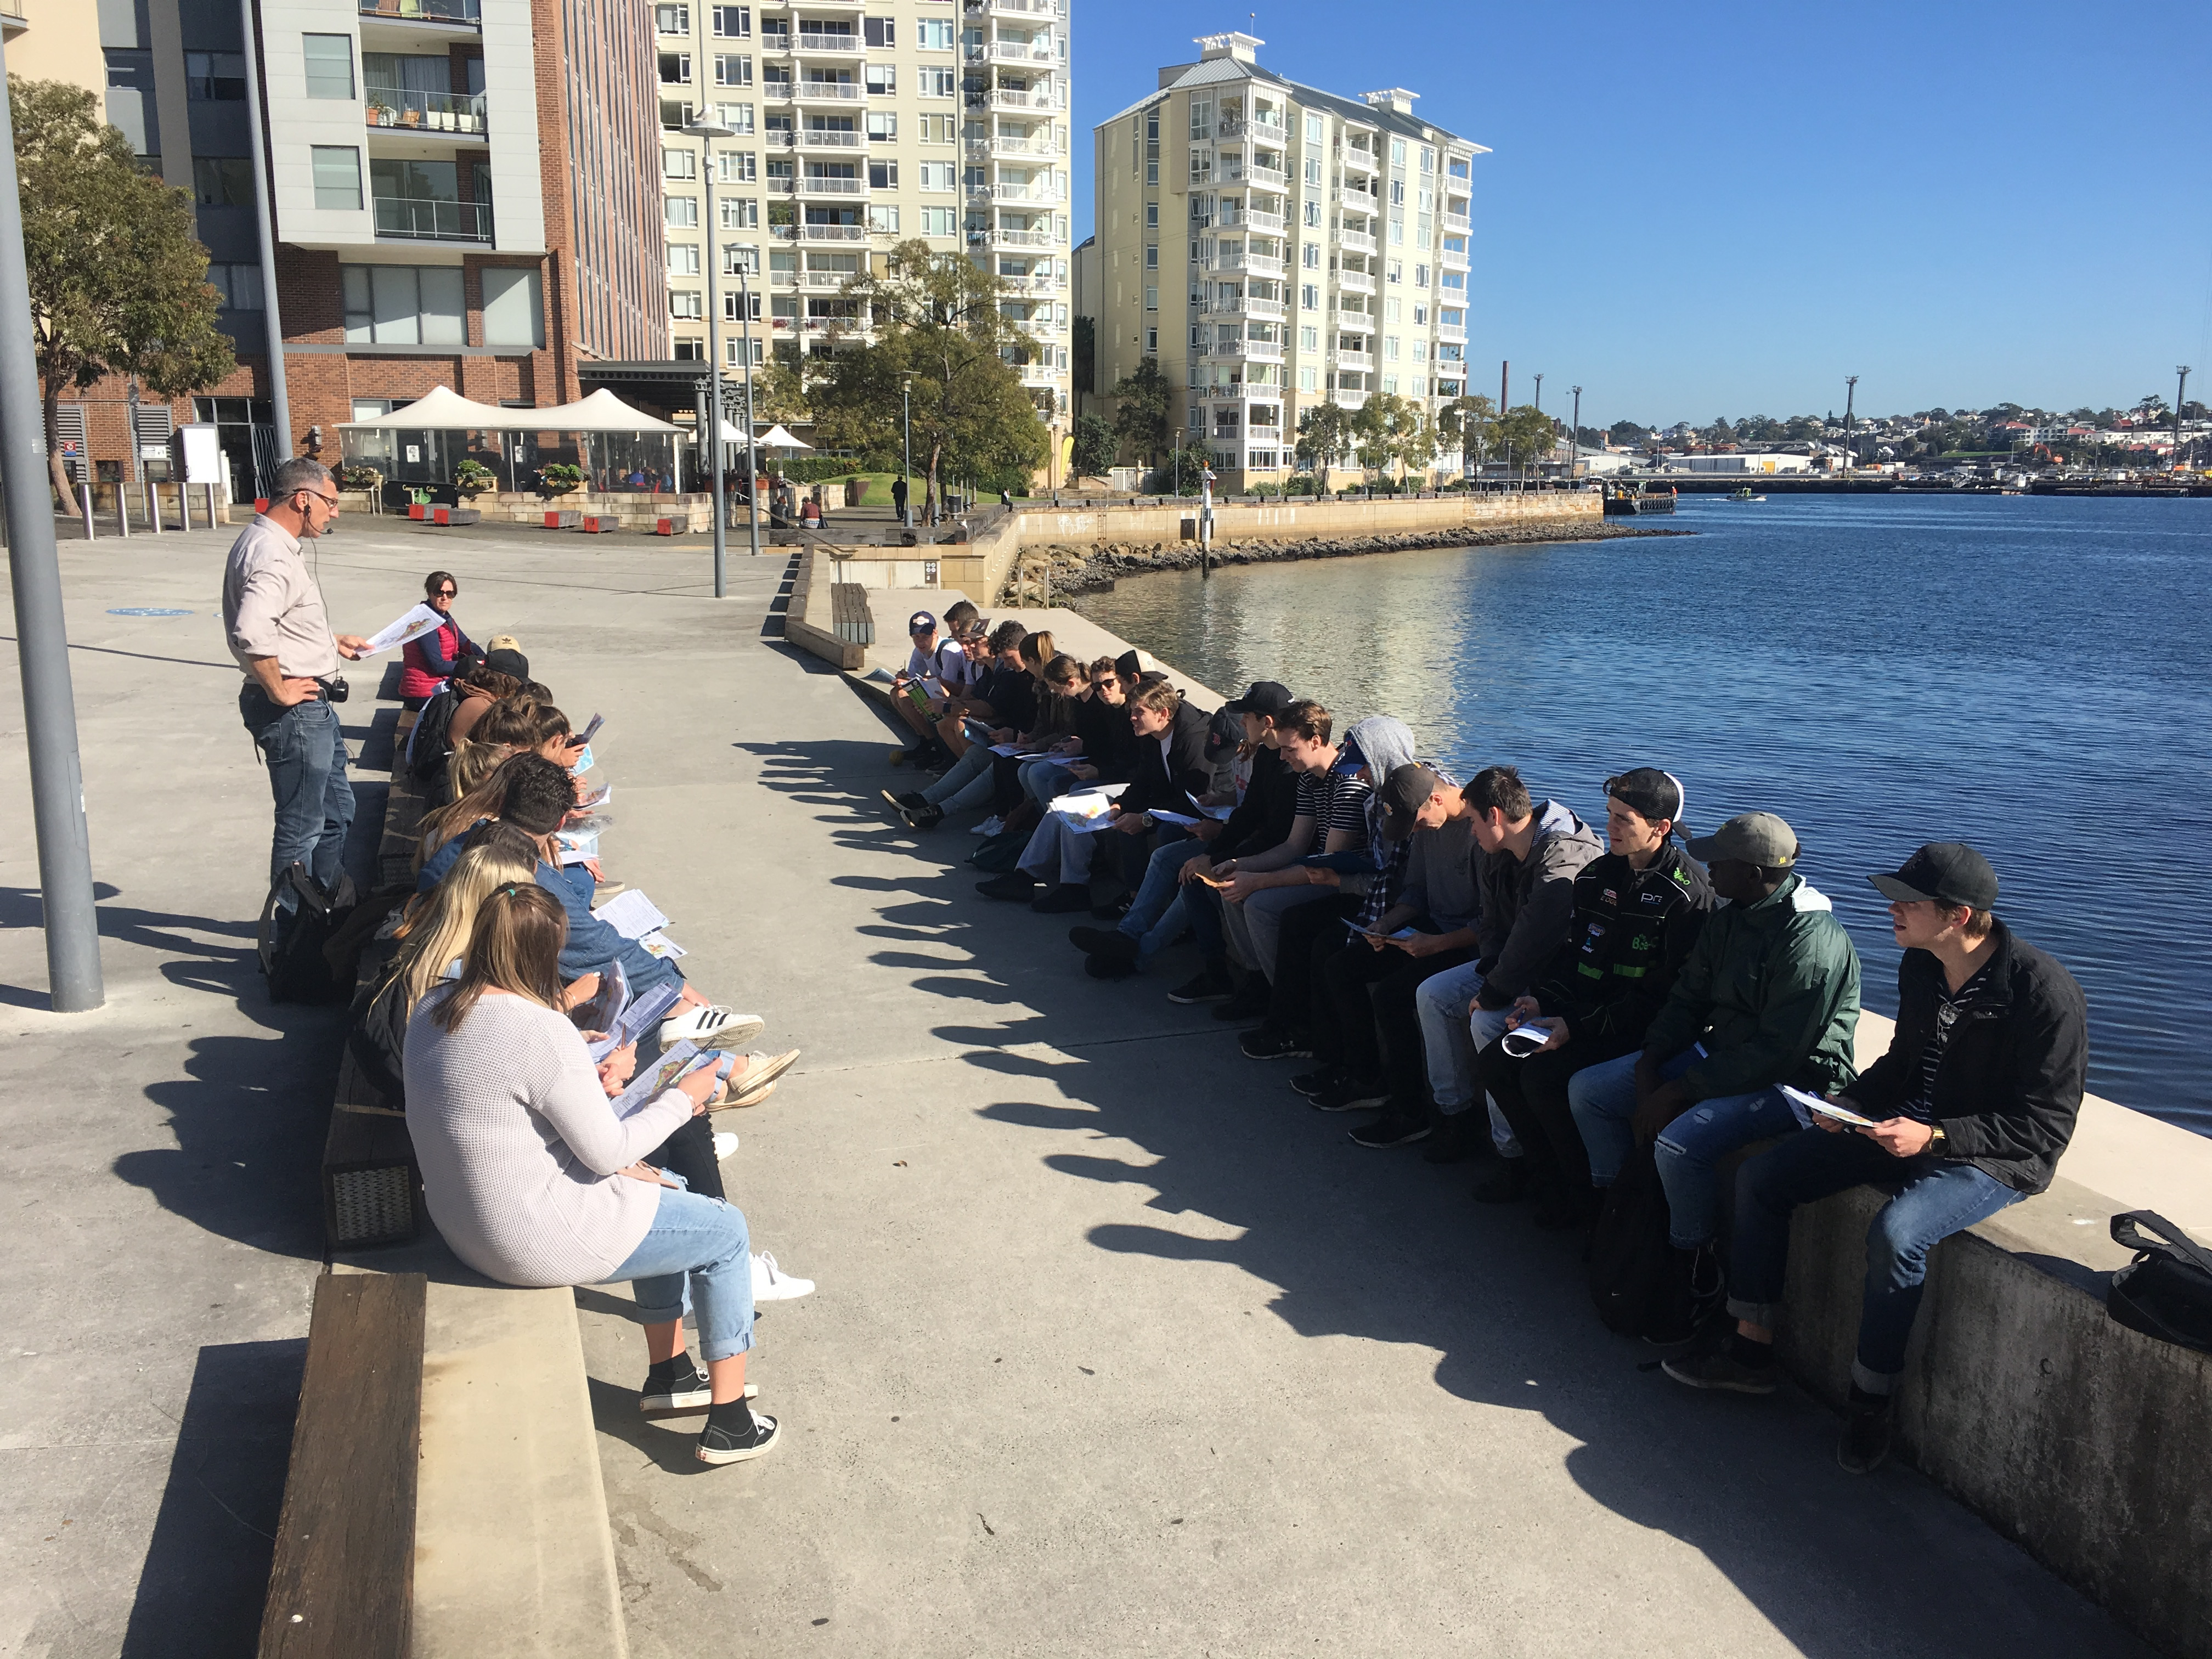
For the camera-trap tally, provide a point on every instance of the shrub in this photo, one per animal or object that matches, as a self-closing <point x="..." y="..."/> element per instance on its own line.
<point x="471" y="477"/>
<point x="559" y="477"/>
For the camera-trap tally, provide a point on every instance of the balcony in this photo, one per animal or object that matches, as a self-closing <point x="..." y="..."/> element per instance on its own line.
<point x="839" y="43"/>
<point x="1358" y="360"/>
<point x="1355" y="241"/>
<point x="1453" y="260"/>
<point x="1010" y="51"/>
<point x="420" y="11"/>
<point x="1270" y="224"/>
<point x="1013" y="7"/>
<point x="1036" y="98"/>
<point x="1452" y="335"/>
<point x="1359" y="201"/>
<point x="1235" y="129"/>
<point x="1355" y="322"/>
<point x="409" y="219"/>
<point x="1013" y="150"/>
<point x="1252" y="351"/>
<point x="822" y="184"/>
<point x="1456" y="222"/>
<point x="819" y="92"/>
<point x="1266" y="311"/>
<point x="1356" y="281"/>
<point x="826" y="138"/>
<point x="1009" y="238"/>
<point x="389" y="109"/>
<point x="1263" y="435"/>
<point x="1359" y="160"/>
<point x="1347" y="398"/>
<point x="1256" y="264"/>
<point x="819" y="233"/>
<point x="1038" y="374"/>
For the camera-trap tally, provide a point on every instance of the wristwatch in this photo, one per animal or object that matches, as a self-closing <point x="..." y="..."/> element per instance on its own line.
<point x="1938" y="1142"/>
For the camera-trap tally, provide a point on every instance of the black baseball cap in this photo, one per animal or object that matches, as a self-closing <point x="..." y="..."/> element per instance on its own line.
<point x="1263" y="697"/>
<point x="922" y="622"/>
<point x="1404" y="794"/>
<point x="1649" y="793"/>
<point x="1224" y="732"/>
<point x="511" y="662"/>
<point x="1941" y="872"/>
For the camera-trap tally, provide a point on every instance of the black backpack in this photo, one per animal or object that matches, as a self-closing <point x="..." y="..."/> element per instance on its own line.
<point x="1642" y="1284"/>
<point x="428" y="749"/>
<point x="292" y="957"/>
<point x="377" y="1038"/>
<point x="2166" y="1291"/>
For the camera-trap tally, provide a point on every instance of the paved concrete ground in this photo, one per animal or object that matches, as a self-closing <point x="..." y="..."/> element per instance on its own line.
<point x="1119" y="1348"/>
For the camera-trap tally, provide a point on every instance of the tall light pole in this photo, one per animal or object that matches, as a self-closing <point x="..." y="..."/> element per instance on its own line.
<point x="280" y="407"/>
<point x="2180" y="393"/>
<point x="72" y="923"/>
<point x="1539" y="394"/>
<point x="1575" y="440"/>
<point x="906" y="450"/>
<point x="1850" y="391"/>
<point x="752" y="441"/>
<point x="707" y="132"/>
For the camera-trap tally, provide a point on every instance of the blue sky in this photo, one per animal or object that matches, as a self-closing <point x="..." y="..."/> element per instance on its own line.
<point x="1723" y="209"/>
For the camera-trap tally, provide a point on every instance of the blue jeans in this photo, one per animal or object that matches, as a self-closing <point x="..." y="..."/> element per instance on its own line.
<point x="702" y="1244"/>
<point x="1938" y="1198"/>
<point x="967" y="784"/>
<point x="1044" y="782"/>
<point x="306" y="756"/>
<point x="1603" y="1101"/>
<point x="1156" y="918"/>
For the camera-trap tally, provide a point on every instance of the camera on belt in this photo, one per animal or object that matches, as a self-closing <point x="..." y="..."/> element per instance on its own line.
<point x="335" y="688"/>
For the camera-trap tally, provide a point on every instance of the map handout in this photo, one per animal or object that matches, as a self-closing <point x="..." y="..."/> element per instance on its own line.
<point x="589" y="732"/>
<point x="1809" y="1106"/>
<point x="422" y="620"/>
<point x="631" y="914"/>
<point x="1525" y="1039"/>
<point x="674" y="1062"/>
<point x="657" y="944"/>
<point x="600" y="1010"/>
<point x="638" y="1015"/>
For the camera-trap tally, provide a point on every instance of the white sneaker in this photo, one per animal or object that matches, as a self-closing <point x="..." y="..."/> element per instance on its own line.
<point x="772" y="1283"/>
<point x="726" y="1145"/>
<point x="990" y="826"/>
<point x="711" y="1026"/>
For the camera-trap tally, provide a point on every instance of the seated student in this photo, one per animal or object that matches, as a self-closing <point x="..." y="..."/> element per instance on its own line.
<point x="1364" y="1009"/>
<point x="1105" y="746"/>
<point x="1329" y="817"/>
<point x="1171" y="765"/>
<point x="974" y="780"/>
<point x="534" y="1183"/>
<point x="1158" y="913"/>
<point x="1770" y="994"/>
<point x="1639" y="909"/>
<point x="943" y="660"/>
<point x="1366" y="885"/>
<point x="1972" y="1106"/>
<point x="502" y="673"/>
<point x="1526" y="854"/>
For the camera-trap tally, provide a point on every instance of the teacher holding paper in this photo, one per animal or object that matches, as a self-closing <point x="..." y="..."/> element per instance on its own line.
<point x="272" y="616"/>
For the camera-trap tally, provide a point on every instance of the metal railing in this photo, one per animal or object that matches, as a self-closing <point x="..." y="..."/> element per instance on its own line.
<point x="1358" y="322"/>
<point x="1456" y="222"/>
<point x="830" y="40"/>
<point x="819" y="233"/>
<point x="392" y="108"/>
<point x="1356" y="281"/>
<point x="1263" y="435"/>
<point x="1009" y="51"/>
<point x="1039" y="98"/>
<point x="1271" y="224"/>
<point x="1455" y="336"/>
<point x="1007" y="238"/>
<point x="826" y="138"/>
<point x="412" y="219"/>
<point x="1360" y="158"/>
<point x="1358" y="360"/>
<point x="818" y="184"/>
<point x="1355" y="241"/>
<point x="828" y="92"/>
<point x="424" y="11"/>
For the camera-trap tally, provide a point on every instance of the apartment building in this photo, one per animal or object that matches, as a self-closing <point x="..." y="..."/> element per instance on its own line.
<point x="1276" y="247"/>
<point x="465" y="193"/>
<point x="861" y="123"/>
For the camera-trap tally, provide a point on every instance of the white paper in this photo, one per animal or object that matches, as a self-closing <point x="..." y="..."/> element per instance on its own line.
<point x="1806" y="1105"/>
<point x="1159" y="816"/>
<point x="1403" y="932"/>
<point x="636" y="1015"/>
<point x="576" y="845"/>
<point x="631" y="914"/>
<point x="422" y="620"/>
<point x="599" y="797"/>
<point x="657" y="944"/>
<point x="658" y="1078"/>
<point x="1219" y="814"/>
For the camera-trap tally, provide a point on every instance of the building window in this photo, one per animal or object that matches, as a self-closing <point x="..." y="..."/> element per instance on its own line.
<point x="881" y="32"/>
<point x="883" y="221"/>
<point x="684" y="306"/>
<point x="1419" y="385"/>
<point x="736" y="166"/>
<point x="733" y="22"/>
<point x="736" y="260"/>
<point x="684" y="258"/>
<point x="1394" y="271"/>
<point x="1152" y="298"/>
<point x="740" y="213"/>
<point x="934" y="35"/>
<point x="680" y="212"/>
<point x="1313" y="128"/>
<point x="672" y="20"/>
<point x="679" y="164"/>
<point x="336" y="170"/>
<point x="939" y="83"/>
<point x="1152" y="256"/>
<point x="1390" y="348"/>
<point x="1420" y="276"/>
<point x="883" y="125"/>
<point x="940" y="222"/>
<point x="1309" y="296"/>
<point x="675" y="69"/>
<point x="883" y="175"/>
<point x="513" y="306"/>
<point x="882" y="80"/>
<point x="733" y="69"/>
<point x="215" y="77"/>
<point x="404" y="305"/>
<point x="738" y="117"/>
<point x="330" y="64"/>
<point x="1397" y="231"/>
<point x="228" y="181"/>
<point x="1309" y="379"/>
<point x="675" y="116"/>
<point x="1397" y="152"/>
<point x="938" y="175"/>
<point x="1309" y="255"/>
<point x="238" y="288"/>
<point x="1309" y="340"/>
<point x="691" y="351"/>
<point x="1391" y="383"/>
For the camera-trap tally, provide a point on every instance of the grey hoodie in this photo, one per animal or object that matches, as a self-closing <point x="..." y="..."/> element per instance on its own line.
<point x="1528" y="904"/>
<point x="1386" y="745"/>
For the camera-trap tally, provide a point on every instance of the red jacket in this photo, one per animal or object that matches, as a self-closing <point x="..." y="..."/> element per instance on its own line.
<point x="428" y="662"/>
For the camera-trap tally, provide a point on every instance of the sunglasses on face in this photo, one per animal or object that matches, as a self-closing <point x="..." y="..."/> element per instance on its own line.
<point x="448" y="592"/>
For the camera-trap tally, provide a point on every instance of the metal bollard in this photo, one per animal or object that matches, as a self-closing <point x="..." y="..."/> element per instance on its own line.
<point x="152" y="493"/>
<point x="91" y="534"/>
<point x="122" y="510"/>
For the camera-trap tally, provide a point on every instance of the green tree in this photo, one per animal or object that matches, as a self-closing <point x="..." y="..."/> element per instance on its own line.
<point x="1390" y="432"/>
<point x="1525" y="435"/>
<point x="1091" y="455"/>
<point x="1142" y="403"/>
<point x="936" y="317"/>
<point x="1325" y="436"/>
<point x="1182" y="468"/>
<point x="1085" y="363"/>
<point x="118" y="281"/>
<point x="1465" y="425"/>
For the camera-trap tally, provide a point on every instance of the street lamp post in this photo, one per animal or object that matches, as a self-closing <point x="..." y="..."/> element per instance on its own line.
<point x="1850" y="391"/>
<point x="2180" y="393"/>
<point x="752" y="438"/>
<point x="1539" y="394"/>
<point x="906" y="442"/>
<point x="708" y="132"/>
<point x="1575" y="440"/>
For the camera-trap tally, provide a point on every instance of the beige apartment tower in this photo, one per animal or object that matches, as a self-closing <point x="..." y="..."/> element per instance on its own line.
<point x="862" y="124"/>
<point x="1276" y="247"/>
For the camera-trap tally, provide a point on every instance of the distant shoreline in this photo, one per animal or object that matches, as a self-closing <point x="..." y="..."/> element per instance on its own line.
<point x="1094" y="569"/>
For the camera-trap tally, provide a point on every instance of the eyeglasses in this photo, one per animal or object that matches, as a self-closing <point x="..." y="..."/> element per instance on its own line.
<point x="448" y="592"/>
<point x="331" y="502"/>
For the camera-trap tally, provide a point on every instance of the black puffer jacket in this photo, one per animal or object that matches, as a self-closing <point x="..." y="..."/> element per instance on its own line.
<point x="1632" y="931"/>
<point x="2009" y="1084"/>
<point x="1175" y="780"/>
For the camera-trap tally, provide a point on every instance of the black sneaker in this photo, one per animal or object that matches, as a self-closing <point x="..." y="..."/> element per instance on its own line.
<point x="1864" y="1446"/>
<point x="678" y="1387"/>
<point x="1014" y="884"/>
<point x="1068" y="896"/>
<point x="1311" y="1084"/>
<point x="924" y="816"/>
<point x="721" y="1445"/>
<point x="1113" y="910"/>
<point x="1249" y="1001"/>
<point x="1507" y="1184"/>
<point x="1103" y="967"/>
<point x="1103" y="942"/>
<point x="1210" y="986"/>
<point x="1350" y="1094"/>
<point x="1734" y="1365"/>
<point x="1269" y="1043"/>
<point x="1391" y="1129"/>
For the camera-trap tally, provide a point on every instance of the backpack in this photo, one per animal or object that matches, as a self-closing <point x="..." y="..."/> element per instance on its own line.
<point x="292" y="957"/>
<point x="1001" y="853"/>
<point x="1642" y="1284"/>
<point x="428" y="749"/>
<point x="2166" y="1291"/>
<point x="377" y="1038"/>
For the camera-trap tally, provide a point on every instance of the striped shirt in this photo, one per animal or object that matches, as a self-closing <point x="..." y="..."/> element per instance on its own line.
<point x="1951" y="1007"/>
<point x="1333" y="800"/>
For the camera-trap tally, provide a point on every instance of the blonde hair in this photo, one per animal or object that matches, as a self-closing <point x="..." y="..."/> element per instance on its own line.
<point x="439" y="929"/>
<point x="515" y="946"/>
<point x="473" y="771"/>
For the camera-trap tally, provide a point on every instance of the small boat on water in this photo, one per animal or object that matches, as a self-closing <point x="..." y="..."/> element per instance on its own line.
<point x="1744" y="494"/>
<point x="1624" y="501"/>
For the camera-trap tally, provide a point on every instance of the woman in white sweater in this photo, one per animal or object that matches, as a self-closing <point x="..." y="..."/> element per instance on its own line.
<point x="533" y="1180"/>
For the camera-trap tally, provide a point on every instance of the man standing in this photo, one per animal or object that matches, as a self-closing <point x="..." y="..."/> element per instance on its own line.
<point x="272" y="615"/>
<point x="1971" y="1107"/>
<point x="898" y="499"/>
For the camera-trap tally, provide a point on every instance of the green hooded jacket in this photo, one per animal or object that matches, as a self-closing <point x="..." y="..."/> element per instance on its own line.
<point x="1771" y="990"/>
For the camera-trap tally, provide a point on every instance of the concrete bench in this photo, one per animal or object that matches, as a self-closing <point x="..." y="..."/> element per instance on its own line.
<point x="597" y="523"/>
<point x="453" y="515"/>
<point x="849" y="609"/>
<point x="565" y="517"/>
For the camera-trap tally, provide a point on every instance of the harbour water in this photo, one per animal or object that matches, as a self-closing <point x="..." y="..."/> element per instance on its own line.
<point x="2031" y="675"/>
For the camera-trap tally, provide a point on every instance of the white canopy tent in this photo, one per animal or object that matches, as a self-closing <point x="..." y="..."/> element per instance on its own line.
<point x="600" y="423"/>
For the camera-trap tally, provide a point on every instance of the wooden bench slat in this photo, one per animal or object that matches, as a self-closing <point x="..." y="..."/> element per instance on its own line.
<point x="342" y="1582"/>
